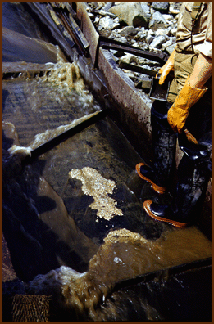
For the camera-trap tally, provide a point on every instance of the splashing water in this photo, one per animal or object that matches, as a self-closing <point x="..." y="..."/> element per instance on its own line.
<point x="124" y="255"/>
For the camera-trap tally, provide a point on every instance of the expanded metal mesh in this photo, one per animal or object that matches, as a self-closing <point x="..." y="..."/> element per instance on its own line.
<point x="30" y="308"/>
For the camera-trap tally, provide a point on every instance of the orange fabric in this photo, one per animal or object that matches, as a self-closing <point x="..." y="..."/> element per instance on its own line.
<point x="179" y="111"/>
<point x="169" y="66"/>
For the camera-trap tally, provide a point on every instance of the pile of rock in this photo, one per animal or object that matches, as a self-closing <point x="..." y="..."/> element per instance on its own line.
<point x="150" y="26"/>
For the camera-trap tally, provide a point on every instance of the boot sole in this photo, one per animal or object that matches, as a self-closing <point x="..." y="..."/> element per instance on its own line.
<point x="158" y="189"/>
<point x="146" y="207"/>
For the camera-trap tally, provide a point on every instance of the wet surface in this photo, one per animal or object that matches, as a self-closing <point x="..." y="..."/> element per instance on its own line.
<point x="136" y="301"/>
<point x="35" y="106"/>
<point x="72" y="208"/>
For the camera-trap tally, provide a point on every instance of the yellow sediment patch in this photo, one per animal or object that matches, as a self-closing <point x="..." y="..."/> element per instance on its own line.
<point x="98" y="187"/>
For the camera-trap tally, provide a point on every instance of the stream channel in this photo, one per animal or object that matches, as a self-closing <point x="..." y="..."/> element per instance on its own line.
<point x="73" y="224"/>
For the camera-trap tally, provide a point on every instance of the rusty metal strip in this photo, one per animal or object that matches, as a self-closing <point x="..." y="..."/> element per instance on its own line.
<point x="108" y="43"/>
<point x="136" y="68"/>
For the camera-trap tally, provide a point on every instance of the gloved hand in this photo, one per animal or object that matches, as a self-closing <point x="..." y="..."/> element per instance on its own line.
<point x="166" y="68"/>
<point x="179" y="111"/>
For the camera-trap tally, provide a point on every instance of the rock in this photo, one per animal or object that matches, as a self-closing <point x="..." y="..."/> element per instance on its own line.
<point x="108" y="23"/>
<point x="130" y="74"/>
<point x="105" y="32"/>
<point x="149" y="39"/>
<point x="146" y="10"/>
<point x="126" y="58"/>
<point x="168" y="18"/>
<point x="160" y="6"/>
<point x="174" y="7"/>
<point x="143" y="84"/>
<point x="158" y="41"/>
<point x="167" y="44"/>
<point x="107" y="6"/>
<point x="144" y="46"/>
<point x="151" y="26"/>
<point x="161" y="31"/>
<point x="128" y="31"/>
<point x="129" y="58"/>
<point x="131" y="13"/>
<point x="122" y="39"/>
<point x="141" y="35"/>
<point x="100" y="5"/>
<point x="96" y="21"/>
<point x="157" y="21"/>
<point x="146" y="81"/>
<point x="134" y="59"/>
<point x="170" y="49"/>
<point x="173" y="31"/>
<point x="106" y="13"/>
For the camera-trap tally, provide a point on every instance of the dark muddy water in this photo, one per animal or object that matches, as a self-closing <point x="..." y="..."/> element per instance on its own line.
<point x="73" y="221"/>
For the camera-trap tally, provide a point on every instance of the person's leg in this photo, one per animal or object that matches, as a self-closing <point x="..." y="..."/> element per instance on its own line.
<point x="194" y="172"/>
<point x="193" y="175"/>
<point x="163" y="137"/>
<point x="163" y="146"/>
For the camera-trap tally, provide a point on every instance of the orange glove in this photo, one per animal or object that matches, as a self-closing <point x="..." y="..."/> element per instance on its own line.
<point x="166" y="68"/>
<point x="179" y="111"/>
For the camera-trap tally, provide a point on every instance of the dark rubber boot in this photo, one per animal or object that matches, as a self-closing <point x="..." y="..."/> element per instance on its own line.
<point x="146" y="173"/>
<point x="163" y="146"/>
<point x="189" y="194"/>
<point x="163" y="143"/>
<point x="162" y="213"/>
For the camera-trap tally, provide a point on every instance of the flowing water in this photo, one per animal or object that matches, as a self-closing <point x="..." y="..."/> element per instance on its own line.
<point x="72" y="203"/>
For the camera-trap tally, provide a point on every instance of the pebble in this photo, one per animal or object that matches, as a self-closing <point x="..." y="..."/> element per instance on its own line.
<point x="108" y="23"/>
<point x="160" y="6"/>
<point x="158" y="41"/>
<point x="128" y="31"/>
<point x="157" y="20"/>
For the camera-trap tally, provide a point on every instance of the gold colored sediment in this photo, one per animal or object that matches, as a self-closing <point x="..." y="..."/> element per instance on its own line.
<point x="98" y="187"/>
